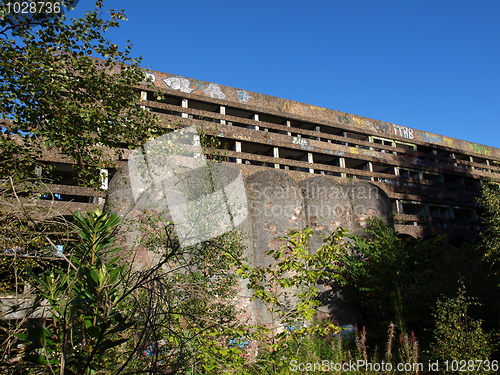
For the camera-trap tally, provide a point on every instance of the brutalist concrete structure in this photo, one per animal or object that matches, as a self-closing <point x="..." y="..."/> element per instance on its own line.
<point x="307" y="165"/>
<point x="431" y="180"/>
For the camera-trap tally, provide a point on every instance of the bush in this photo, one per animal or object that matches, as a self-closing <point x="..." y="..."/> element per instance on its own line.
<point x="457" y="336"/>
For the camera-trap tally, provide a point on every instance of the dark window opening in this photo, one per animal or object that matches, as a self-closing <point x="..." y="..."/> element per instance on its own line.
<point x="413" y="209"/>
<point x="326" y="159"/>
<point x="356" y="164"/>
<point x="409" y="173"/>
<point x="272" y="119"/>
<point x="452" y="179"/>
<point x="465" y="214"/>
<point x="204" y="106"/>
<point x="293" y="154"/>
<point x="167" y="99"/>
<point x="381" y="168"/>
<point x="256" y="149"/>
<point x="230" y="111"/>
<point x="432" y="177"/>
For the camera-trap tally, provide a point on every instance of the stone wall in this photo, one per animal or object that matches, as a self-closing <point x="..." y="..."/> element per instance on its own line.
<point x="276" y="203"/>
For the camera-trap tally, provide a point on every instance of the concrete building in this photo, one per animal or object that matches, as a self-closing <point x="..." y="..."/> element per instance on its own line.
<point x="429" y="181"/>
<point x="432" y="180"/>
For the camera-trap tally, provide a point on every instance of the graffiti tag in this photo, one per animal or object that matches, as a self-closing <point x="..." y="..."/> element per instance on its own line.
<point x="243" y="96"/>
<point x="317" y="108"/>
<point x="431" y="138"/>
<point x="381" y="127"/>
<point x="300" y="141"/>
<point x="480" y="149"/>
<point x="402" y="131"/>
<point x="343" y="119"/>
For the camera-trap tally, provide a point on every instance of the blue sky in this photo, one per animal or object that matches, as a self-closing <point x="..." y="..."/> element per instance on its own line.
<point x="428" y="65"/>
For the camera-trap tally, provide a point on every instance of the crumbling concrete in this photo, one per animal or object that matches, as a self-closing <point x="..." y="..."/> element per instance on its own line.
<point x="276" y="204"/>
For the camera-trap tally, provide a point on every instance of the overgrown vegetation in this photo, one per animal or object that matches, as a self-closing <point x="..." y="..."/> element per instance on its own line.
<point x="88" y="310"/>
<point x="57" y="97"/>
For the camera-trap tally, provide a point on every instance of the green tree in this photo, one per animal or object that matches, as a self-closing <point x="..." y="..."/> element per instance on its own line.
<point x="378" y="269"/>
<point x="460" y="338"/>
<point x="103" y="316"/>
<point x="490" y="237"/>
<point x="399" y="280"/>
<point x="289" y="290"/>
<point x="57" y="97"/>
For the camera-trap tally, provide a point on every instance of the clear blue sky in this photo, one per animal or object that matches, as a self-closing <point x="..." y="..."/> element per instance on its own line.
<point x="429" y="65"/>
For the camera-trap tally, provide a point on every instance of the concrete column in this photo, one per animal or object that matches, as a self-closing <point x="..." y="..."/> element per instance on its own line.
<point x="370" y="169"/>
<point x="256" y="118"/>
<point x="310" y="160"/>
<point x="104" y="178"/>
<point x="104" y="174"/>
<point x="197" y="142"/>
<point x="317" y="128"/>
<point x="144" y="96"/>
<point x="399" y="207"/>
<point x="223" y="112"/>
<point x="342" y="165"/>
<point x="237" y="148"/>
<point x="276" y="154"/>
<point x="185" y="104"/>
<point x="344" y="134"/>
<point x="370" y="139"/>
<point x="289" y="124"/>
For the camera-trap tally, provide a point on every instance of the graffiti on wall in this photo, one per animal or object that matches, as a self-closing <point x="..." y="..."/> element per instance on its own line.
<point x="344" y="119"/>
<point x="381" y="127"/>
<point x="362" y="123"/>
<point x="448" y="141"/>
<point x="317" y="108"/>
<point x="214" y="91"/>
<point x="431" y="138"/>
<point x="335" y="152"/>
<point x="284" y="106"/>
<point x="193" y="86"/>
<point x="375" y="154"/>
<point x="480" y="149"/>
<point x="178" y="83"/>
<point x="302" y="142"/>
<point x="243" y="96"/>
<point x="149" y="77"/>
<point x="402" y="131"/>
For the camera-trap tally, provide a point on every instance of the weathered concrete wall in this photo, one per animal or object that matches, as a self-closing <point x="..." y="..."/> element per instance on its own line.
<point x="246" y="99"/>
<point x="276" y="204"/>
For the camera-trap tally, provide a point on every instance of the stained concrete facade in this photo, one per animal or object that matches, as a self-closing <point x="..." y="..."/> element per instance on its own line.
<point x="307" y="165"/>
<point x="431" y="180"/>
<point x="276" y="203"/>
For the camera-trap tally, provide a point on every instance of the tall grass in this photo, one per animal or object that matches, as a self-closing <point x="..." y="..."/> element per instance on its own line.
<point x="336" y="355"/>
